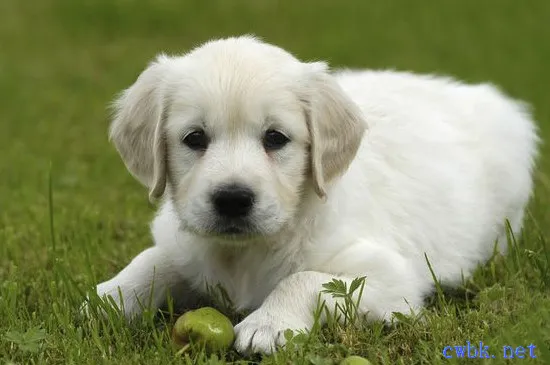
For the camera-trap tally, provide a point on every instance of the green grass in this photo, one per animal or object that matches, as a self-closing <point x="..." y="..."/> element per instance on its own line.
<point x="62" y="61"/>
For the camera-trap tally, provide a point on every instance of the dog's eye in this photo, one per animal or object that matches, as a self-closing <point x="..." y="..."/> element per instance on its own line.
<point x="197" y="140"/>
<point x="274" y="140"/>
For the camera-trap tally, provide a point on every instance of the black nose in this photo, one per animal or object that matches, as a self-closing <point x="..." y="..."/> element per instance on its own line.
<point x="233" y="201"/>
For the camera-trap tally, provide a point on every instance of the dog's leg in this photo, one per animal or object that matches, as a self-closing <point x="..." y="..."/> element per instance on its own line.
<point x="147" y="280"/>
<point x="392" y="287"/>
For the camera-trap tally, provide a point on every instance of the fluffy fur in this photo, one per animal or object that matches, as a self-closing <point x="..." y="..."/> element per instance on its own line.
<point x="382" y="168"/>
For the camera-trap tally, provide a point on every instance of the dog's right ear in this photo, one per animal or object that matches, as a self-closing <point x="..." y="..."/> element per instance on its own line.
<point x="137" y="129"/>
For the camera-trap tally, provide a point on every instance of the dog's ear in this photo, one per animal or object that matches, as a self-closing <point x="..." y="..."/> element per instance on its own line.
<point x="336" y="126"/>
<point x="137" y="129"/>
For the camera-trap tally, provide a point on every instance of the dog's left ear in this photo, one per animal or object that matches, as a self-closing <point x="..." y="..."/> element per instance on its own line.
<point x="336" y="126"/>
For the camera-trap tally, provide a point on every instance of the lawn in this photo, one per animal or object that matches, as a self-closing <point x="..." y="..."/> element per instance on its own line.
<point x="71" y="215"/>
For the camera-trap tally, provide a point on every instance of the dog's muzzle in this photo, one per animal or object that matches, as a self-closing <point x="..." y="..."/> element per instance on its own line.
<point x="233" y="204"/>
<point x="233" y="201"/>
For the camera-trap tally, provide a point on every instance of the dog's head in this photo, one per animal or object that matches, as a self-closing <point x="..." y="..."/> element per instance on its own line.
<point x="236" y="130"/>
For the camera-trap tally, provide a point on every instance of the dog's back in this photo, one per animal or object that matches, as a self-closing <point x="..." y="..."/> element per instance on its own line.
<point x="442" y="166"/>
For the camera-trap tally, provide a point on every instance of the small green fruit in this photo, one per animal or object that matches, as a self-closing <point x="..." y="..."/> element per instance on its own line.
<point x="205" y="326"/>
<point x="355" y="360"/>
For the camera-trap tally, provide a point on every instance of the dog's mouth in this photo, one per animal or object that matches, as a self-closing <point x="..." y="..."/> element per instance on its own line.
<point x="235" y="230"/>
<point x="232" y="230"/>
<point x="224" y="229"/>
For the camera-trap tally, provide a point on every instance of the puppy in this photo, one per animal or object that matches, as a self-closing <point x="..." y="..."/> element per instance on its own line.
<point x="276" y="176"/>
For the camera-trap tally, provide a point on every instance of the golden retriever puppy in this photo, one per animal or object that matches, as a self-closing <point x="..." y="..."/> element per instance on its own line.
<point x="277" y="175"/>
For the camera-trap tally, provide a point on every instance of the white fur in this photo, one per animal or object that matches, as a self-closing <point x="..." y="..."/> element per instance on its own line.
<point x="435" y="168"/>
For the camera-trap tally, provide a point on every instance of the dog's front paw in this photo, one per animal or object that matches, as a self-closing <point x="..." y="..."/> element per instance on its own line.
<point x="263" y="331"/>
<point x="116" y="296"/>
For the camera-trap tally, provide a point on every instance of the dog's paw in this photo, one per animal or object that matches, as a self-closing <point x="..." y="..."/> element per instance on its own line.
<point x="112" y="296"/>
<point x="100" y="305"/>
<point x="263" y="331"/>
<point x="84" y="310"/>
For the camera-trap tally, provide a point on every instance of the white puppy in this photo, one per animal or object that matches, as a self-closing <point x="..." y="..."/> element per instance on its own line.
<point x="277" y="176"/>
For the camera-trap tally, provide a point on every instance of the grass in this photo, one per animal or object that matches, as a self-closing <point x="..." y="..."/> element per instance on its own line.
<point x="62" y="61"/>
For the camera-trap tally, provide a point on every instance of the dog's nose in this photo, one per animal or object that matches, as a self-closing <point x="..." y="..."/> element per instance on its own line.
<point x="233" y="201"/>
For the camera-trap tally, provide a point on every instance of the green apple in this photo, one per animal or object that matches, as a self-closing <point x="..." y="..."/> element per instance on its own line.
<point x="355" y="360"/>
<point x="205" y="326"/>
